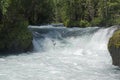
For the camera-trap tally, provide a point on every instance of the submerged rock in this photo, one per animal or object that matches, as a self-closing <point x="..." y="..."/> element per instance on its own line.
<point x="114" y="47"/>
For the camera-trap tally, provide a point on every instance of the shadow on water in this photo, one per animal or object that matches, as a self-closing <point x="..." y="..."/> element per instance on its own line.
<point x="6" y="54"/>
<point x="117" y="68"/>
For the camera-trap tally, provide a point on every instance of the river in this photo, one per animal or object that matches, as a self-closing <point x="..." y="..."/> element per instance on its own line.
<point x="63" y="54"/>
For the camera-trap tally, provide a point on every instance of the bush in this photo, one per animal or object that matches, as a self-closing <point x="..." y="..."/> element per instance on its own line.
<point x="15" y="37"/>
<point x="84" y="23"/>
<point x="117" y="21"/>
<point x="96" y="21"/>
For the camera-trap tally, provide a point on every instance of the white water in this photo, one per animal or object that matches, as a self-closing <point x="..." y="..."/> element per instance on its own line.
<point x="83" y="57"/>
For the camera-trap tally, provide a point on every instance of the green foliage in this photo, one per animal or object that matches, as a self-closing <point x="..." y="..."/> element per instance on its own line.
<point x="117" y="21"/>
<point x="93" y="12"/>
<point x="96" y="21"/>
<point x="14" y="34"/>
<point x="16" y="37"/>
<point x="4" y="4"/>
<point x="37" y="11"/>
<point x="115" y="40"/>
<point x="70" y="23"/>
<point x="81" y="23"/>
<point x="84" y="23"/>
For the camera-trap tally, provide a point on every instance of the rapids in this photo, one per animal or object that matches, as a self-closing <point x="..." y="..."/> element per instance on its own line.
<point x="63" y="54"/>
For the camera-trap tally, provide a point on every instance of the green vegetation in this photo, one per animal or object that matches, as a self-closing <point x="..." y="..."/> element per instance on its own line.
<point x="115" y="40"/>
<point x="83" y="13"/>
<point x="16" y="15"/>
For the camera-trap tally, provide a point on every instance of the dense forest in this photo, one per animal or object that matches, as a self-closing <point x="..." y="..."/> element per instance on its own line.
<point x="87" y="12"/>
<point x="16" y="15"/>
<point x="70" y="12"/>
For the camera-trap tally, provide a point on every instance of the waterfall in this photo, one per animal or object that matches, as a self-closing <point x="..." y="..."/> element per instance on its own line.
<point x="55" y="37"/>
<point x="63" y="54"/>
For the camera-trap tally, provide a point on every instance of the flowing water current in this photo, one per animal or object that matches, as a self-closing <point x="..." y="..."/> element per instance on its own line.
<point x="63" y="54"/>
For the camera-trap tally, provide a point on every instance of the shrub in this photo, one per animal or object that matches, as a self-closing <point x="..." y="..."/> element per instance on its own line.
<point x="96" y="21"/>
<point x="84" y="23"/>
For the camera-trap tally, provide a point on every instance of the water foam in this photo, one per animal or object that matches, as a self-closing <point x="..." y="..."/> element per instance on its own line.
<point x="82" y="56"/>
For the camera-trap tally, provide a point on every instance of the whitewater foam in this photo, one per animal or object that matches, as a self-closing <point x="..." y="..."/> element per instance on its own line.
<point x="64" y="56"/>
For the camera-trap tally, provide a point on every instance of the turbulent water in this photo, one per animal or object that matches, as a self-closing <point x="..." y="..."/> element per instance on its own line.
<point x="63" y="54"/>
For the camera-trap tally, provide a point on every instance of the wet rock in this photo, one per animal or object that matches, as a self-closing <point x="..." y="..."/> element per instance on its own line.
<point x="114" y="48"/>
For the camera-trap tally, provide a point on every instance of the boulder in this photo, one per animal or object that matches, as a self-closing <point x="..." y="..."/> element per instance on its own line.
<point x="114" y="48"/>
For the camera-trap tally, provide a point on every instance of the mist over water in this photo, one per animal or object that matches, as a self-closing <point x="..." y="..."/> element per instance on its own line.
<point x="63" y="54"/>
